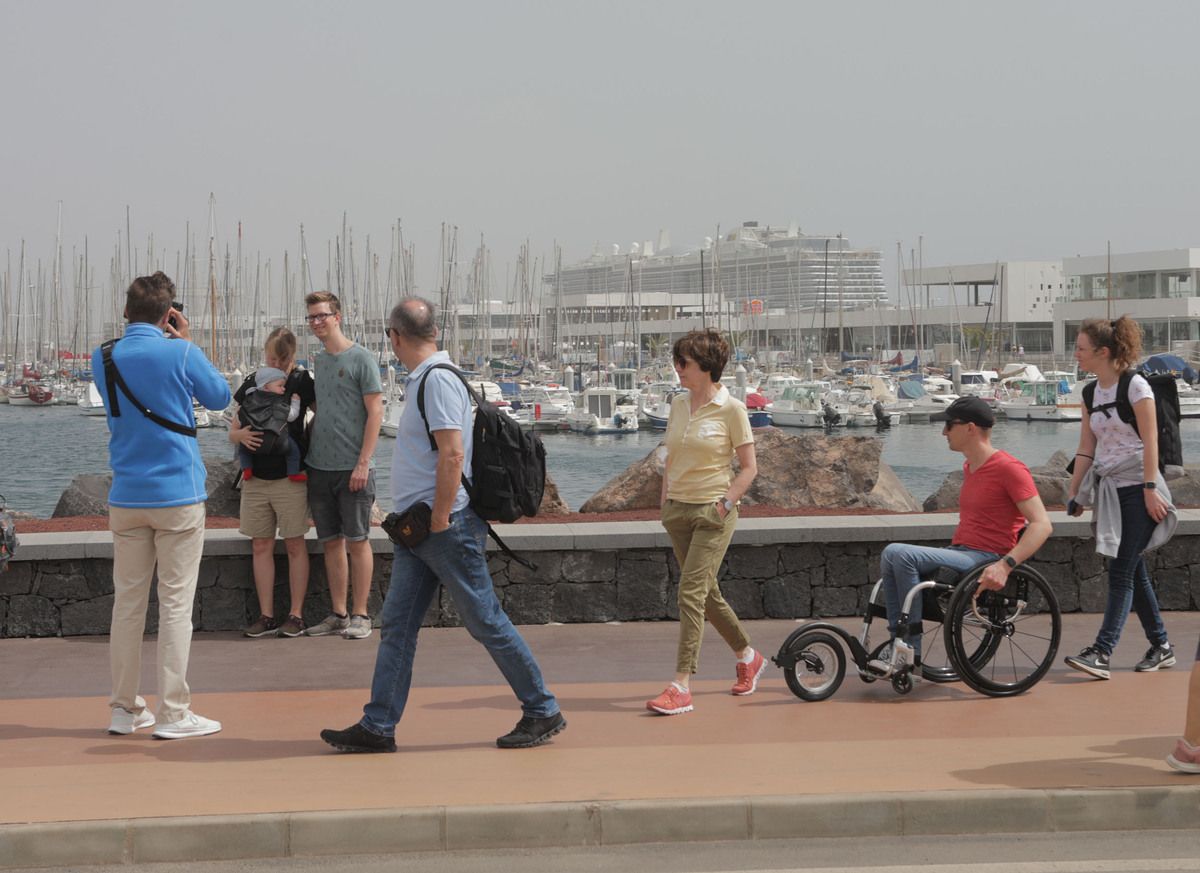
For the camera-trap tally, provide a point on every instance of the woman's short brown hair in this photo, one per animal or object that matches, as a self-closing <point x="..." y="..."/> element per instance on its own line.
<point x="1123" y="338"/>
<point x="706" y="347"/>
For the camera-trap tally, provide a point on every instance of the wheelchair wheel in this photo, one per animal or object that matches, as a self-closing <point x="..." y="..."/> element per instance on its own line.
<point x="820" y="666"/>
<point x="937" y="664"/>
<point x="1002" y="642"/>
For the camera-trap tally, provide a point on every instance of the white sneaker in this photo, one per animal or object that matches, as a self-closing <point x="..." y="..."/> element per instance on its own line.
<point x="125" y="722"/>
<point x="191" y="725"/>
<point x="360" y="628"/>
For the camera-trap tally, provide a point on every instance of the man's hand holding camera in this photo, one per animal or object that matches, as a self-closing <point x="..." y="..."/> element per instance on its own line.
<point x="176" y="325"/>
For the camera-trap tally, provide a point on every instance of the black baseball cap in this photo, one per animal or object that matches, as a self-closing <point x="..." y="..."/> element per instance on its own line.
<point x="969" y="409"/>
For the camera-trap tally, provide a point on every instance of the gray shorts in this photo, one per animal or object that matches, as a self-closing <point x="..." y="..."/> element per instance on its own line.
<point x="336" y="510"/>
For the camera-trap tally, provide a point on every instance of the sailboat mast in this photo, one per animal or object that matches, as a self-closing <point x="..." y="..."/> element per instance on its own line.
<point x="212" y="278"/>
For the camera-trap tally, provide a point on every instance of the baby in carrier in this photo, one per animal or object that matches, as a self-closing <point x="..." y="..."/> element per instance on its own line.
<point x="267" y="410"/>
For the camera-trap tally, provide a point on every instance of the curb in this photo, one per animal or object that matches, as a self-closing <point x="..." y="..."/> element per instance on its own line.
<point x="530" y="826"/>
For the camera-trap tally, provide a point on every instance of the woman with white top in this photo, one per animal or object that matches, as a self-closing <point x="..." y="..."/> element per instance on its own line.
<point x="1114" y="460"/>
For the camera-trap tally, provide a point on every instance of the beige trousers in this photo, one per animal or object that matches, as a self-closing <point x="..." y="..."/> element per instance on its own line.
<point x="173" y="539"/>
<point x="700" y="538"/>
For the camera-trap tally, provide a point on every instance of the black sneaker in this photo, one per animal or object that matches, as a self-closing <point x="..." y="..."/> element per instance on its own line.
<point x="1091" y="661"/>
<point x="357" y="738"/>
<point x="532" y="732"/>
<point x="265" y="626"/>
<point x="1157" y="657"/>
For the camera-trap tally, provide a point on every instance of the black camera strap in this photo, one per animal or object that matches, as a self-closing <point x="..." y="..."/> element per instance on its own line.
<point x="113" y="380"/>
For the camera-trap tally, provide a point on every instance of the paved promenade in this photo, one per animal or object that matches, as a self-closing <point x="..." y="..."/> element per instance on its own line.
<point x="1071" y="754"/>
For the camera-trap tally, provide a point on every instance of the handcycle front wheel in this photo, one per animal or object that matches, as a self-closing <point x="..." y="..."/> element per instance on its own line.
<point x="1001" y="643"/>
<point x="820" y="666"/>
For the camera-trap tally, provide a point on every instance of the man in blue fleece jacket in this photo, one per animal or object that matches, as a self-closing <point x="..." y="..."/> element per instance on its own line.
<point x="156" y="504"/>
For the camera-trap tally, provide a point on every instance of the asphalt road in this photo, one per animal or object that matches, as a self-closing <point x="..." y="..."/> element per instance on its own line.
<point x="1083" y="852"/>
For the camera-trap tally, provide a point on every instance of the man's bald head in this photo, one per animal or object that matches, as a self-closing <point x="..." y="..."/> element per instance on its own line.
<point x="414" y="318"/>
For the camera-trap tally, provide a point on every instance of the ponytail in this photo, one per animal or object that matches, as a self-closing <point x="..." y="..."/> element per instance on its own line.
<point x="1122" y="337"/>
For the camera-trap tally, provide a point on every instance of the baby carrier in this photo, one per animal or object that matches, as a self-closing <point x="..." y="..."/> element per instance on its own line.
<point x="267" y="413"/>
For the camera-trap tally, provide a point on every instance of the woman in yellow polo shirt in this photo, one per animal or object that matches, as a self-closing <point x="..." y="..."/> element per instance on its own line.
<point x="706" y="428"/>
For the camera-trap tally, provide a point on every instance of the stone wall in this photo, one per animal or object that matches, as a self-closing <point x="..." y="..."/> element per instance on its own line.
<point x="776" y="568"/>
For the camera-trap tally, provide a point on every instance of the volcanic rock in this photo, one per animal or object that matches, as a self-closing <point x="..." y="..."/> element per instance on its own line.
<point x="1051" y="479"/>
<point x="794" y="472"/>
<point x="86" y="495"/>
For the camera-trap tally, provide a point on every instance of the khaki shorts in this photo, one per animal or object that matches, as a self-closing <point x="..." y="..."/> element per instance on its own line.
<point x="274" y="504"/>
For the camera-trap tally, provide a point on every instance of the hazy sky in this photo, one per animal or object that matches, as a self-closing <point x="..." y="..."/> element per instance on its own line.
<point x="999" y="130"/>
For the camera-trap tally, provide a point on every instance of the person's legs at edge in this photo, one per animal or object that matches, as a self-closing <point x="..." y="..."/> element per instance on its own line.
<point x="179" y="543"/>
<point x="458" y="558"/>
<point x="133" y="574"/>
<point x="1186" y="756"/>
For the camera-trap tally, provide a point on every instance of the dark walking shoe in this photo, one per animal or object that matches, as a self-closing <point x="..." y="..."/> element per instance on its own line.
<point x="357" y="738"/>
<point x="264" y="627"/>
<point x="532" y="731"/>
<point x="293" y="626"/>
<point x="1091" y="661"/>
<point x="1157" y="658"/>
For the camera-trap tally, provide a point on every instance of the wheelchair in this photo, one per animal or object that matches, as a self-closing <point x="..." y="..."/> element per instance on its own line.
<point x="1000" y="643"/>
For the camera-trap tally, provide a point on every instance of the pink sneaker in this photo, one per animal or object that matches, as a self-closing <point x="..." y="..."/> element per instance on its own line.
<point x="747" y="674"/>
<point x="1185" y="758"/>
<point x="671" y="702"/>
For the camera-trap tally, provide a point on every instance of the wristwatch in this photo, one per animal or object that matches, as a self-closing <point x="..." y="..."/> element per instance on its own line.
<point x="1150" y="486"/>
<point x="1011" y="561"/>
<point x="729" y="505"/>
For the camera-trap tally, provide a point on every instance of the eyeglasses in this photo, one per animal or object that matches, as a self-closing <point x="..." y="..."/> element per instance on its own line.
<point x="319" y="317"/>
<point x="950" y="424"/>
<point x="387" y="333"/>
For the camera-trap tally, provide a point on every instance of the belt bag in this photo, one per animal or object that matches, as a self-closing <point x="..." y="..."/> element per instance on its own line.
<point x="410" y="527"/>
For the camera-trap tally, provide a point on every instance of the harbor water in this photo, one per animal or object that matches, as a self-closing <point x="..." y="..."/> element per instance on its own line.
<point x="43" y="448"/>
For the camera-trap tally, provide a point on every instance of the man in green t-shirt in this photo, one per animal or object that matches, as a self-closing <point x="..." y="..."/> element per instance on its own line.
<point x="341" y="478"/>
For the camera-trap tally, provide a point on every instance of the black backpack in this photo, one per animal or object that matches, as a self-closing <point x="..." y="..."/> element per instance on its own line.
<point x="1166" y="412"/>
<point x="508" y="465"/>
<point x="268" y="413"/>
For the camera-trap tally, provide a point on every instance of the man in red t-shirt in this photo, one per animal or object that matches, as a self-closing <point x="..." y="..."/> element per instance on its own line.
<point x="998" y="498"/>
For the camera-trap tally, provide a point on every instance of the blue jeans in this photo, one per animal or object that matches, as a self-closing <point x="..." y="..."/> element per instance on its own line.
<point x="903" y="566"/>
<point x="455" y="558"/>
<point x="1128" y="578"/>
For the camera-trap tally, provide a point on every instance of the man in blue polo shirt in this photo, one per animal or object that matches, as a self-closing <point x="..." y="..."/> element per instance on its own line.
<point x="453" y="554"/>
<point x="156" y="503"/>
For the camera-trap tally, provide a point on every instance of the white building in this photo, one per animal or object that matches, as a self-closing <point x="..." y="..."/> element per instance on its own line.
<point x="1159" y="289"/>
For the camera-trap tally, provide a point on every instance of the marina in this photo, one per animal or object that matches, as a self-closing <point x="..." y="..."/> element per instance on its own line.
<point x="45" y="448"/>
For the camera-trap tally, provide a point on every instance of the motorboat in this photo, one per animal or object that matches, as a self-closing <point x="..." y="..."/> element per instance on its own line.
<point x="801" y="406"/>
<point x="600" y="412"/>
<point x="915" y="403"/>
<point x="544" y="407"/>
<point x="1045" y="401"/>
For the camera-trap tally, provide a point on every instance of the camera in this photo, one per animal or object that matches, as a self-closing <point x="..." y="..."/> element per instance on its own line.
<point x="178" y="307"/>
